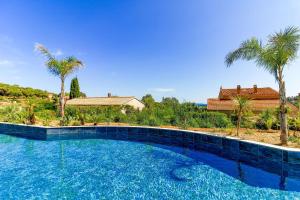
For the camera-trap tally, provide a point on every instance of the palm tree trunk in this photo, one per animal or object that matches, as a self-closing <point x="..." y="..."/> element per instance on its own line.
<point x="62" y="98"/>
<point x="238" y="125"/>
<point x="282" y="112"/>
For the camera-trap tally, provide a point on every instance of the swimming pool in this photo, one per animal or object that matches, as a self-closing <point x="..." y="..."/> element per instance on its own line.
<point x="114" y="169"/>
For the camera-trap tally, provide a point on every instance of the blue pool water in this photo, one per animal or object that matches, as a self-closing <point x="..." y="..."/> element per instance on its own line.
<point x="107" y="169"/>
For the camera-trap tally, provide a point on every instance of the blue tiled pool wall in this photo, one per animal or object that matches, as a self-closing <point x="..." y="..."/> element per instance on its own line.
<point x="276" y="160"/>
<point x="29" y="132"/>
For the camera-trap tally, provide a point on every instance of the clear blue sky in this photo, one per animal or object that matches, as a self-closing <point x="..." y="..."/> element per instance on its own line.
<point x="133" y="47"/>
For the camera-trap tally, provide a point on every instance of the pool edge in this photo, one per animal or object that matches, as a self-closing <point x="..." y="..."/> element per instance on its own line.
<point x="283" y="161"/>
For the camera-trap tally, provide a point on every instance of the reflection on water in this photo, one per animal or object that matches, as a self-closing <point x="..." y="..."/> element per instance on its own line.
<point x="243" y="172"/>
<point x="282" y="183"/>
<point x="95" y="169"/>
<point x="236" y="169"/>
<point x="240" y="171"/>
<point x="61" y="155"/>
<point x="6" y="139"/>
<point x="29" y="147"/>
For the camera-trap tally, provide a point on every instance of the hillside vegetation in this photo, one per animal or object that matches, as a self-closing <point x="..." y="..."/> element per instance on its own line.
<point x="7" y="90"/>
<point x="33" y="106"/>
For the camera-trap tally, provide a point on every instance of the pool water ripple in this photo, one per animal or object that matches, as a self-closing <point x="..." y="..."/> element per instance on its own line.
<point x="108" y="169"/>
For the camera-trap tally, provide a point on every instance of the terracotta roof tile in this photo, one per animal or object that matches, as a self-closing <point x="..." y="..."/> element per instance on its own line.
<point x="256" y="105"/>
<point x="260" y="93"/>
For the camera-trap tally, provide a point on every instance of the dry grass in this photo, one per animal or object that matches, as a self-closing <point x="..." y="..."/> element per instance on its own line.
<point x="265" y="136"/>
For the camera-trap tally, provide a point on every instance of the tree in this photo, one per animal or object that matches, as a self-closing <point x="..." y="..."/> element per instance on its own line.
<point x="280" y="50"/>
<point x="74" y="89"/>
<point x="61" y="68"/>
<point x="148" y="100"/>
<point x="184" y="115"/>
<point x="82" y="94"/>
<point x="242" y="107"/>
<point x="170" y="102"/>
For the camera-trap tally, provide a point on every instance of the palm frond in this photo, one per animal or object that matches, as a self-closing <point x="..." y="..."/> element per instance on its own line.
<point x="74" y="62"/>
<point x="281" y="48"/>
<point x="268" y="61"/>
<point x="242" y="104"/>
<point x="44" y="51"/>
<point x="61" y="68"/>
<point x="285" y="45"/>
<point x="54" y="66"/>
<point x="248" y="50"/>
<point x="70" y="64"/>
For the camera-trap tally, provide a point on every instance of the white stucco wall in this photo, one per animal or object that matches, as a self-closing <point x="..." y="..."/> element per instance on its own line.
<point x="136" y="104"/>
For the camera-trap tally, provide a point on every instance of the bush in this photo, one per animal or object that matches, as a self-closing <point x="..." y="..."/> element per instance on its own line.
<point x="153" y="121"/>
<point x="184" y="115"/>
<point x="66" y="120"/>
<point x="294" y="139"/>
<point x="46" y="116"/>
<point x="246" y="121"/>
<point x="95" y="114"/>
<point x="44" y="104"/>
<point x="294" y="123"/>
<point x="267" y="120"/>
<point x="213" y="119"/>
<point x="13" y="113"/>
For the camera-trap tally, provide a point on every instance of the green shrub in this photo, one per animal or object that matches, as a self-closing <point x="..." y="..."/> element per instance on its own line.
<point x="246" y="121"/>
<point x="153" y="121"/>
<point x="213" y="119"/>
<point x="267" y="120"/>
<point x="294" y="139"/>
<point x="46" y="116"/>
<point x="14" y="114"/>
<point x="294" y="123"/>
<point x="66" y="120"/>
<point x="76" y="123"/>
<point x="95" y="114"/>
<point x="44" y="104"/>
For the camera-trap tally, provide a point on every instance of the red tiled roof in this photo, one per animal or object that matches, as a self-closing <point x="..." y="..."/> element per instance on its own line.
<point x="256" y="105"/>
<point x="260" y="93"/>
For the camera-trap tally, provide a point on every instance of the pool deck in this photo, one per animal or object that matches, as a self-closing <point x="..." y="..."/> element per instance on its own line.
<point x="283" y="161"/>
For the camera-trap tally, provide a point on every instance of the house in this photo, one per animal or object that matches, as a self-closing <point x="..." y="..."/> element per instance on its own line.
<point x="261" y="99"/>
<point x="106" y="101"/>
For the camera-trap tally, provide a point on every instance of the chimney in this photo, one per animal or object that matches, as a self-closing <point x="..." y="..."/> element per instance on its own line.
<point x="220" y="93"/>
<point x="255" y="88"/>
<point x="109" y="94"/>
<point x="238" y="89"/>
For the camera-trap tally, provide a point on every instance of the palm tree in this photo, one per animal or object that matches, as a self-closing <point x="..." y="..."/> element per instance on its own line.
<point x="61" y="68"/>
<point x="242" y="107"/>
<point x="280" y="50"/>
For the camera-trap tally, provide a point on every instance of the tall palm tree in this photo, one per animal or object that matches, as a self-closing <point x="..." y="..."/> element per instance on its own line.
<point x="61" y="68"/>
<point x="280" y="50"/>
<point x="242" y="107"/>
